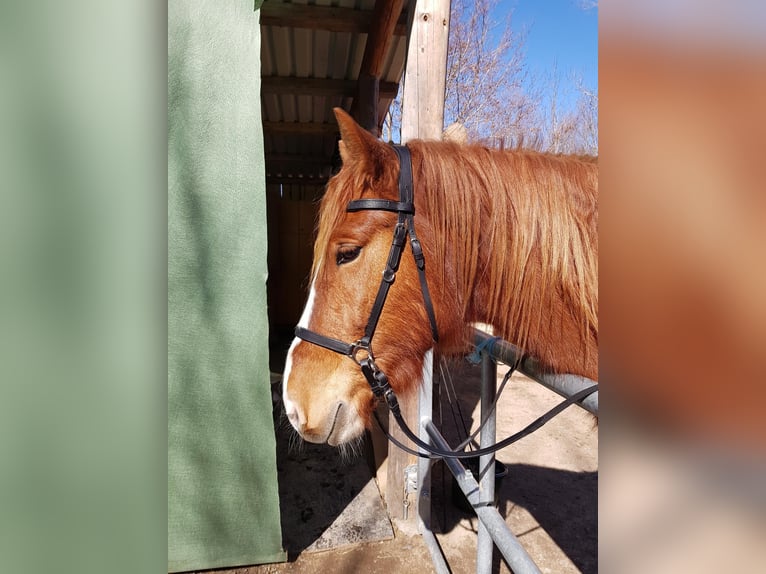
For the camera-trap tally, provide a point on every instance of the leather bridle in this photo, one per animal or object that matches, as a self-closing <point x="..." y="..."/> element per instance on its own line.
<point x="361" y="350"/>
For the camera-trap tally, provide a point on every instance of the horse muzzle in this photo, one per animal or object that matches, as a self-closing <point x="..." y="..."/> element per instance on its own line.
<point x="335" y="425"/>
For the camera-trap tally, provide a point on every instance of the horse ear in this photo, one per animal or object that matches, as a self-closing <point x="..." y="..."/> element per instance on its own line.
<point x="356" y="144"/>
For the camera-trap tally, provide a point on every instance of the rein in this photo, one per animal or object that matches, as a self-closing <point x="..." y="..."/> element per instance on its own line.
<point x="361" y="352"/>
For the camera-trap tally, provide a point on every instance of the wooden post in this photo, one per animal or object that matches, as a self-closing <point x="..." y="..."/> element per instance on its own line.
<point x="366" y="103"/>
<point x="425" y="75"/>
<point x="422" y="117"/>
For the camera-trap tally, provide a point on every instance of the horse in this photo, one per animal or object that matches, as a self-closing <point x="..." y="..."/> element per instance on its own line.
<point x="509" y="239"/>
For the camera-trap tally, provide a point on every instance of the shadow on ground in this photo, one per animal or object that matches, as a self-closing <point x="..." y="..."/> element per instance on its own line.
<point x="326" y="499"/>
<point x="562" y="502"/>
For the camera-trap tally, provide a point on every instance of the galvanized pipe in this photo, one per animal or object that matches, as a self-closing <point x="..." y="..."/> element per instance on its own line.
<point x="513" y="552"/>
<point x="425" y="406"/>
<point x="486" y="477"/>
<point x="425" y="403"/>
<point x="564" y="385"/>
<point x="437" y="556"/>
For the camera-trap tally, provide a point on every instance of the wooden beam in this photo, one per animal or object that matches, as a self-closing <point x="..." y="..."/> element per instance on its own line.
<point x="328" y="18"/>
<point x="292" y="180"/>
<point x="320" y="86"/>
<point x="369" y="89"/>
<point x="385" y="17"/>
<point x="298" y="158"/>
<point x="366" y="102"/>
<point x="305" y="128"/>
<point x="422" y="117"/>
<point x="296" y="166"/>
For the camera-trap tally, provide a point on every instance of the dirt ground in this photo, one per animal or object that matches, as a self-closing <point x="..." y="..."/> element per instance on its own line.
<point x="548" y="499"/>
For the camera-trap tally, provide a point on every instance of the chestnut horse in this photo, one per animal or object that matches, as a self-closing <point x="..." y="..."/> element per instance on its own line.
<point x="510" y="240"/>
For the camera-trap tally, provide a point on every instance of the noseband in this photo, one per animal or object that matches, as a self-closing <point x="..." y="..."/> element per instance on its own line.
<point x="361" y="350"/>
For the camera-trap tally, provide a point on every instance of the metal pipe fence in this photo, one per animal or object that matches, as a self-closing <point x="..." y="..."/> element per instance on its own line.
<point x="492" y="531"/>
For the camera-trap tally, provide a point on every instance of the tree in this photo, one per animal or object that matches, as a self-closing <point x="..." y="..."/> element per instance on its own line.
<point x="490" y="93"/>
<point x="587" y="120"/>
<point x="567" y="115"/>
<point x="486" y="72"/>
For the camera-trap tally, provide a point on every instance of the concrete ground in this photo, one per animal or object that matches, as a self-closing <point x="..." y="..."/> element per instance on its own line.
<point x="334" y="519"/>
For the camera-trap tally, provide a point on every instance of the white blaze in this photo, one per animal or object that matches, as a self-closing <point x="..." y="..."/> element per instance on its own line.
<point x="290" y="408"/>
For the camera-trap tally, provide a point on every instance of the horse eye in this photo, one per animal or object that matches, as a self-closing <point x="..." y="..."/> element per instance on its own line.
<point x="346" y="254"/>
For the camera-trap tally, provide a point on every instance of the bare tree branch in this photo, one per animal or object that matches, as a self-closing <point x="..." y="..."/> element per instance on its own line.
<point x="491" y="94"/>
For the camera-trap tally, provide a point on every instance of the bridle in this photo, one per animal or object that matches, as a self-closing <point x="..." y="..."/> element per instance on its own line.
<point x="361" y="352"/>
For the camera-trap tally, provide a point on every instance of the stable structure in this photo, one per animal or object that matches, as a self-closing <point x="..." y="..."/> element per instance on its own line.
<point x="317" y="55"/>
<point x="252" y="144"/>
<point x="223" y="504"/>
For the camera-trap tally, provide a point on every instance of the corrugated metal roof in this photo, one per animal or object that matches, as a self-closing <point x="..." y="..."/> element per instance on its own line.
<point x="309" y="65"/>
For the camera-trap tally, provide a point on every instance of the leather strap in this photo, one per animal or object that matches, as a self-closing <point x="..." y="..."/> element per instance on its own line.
<point x="326" y="342"/>
<point x="406" y="195"/>
<point x="389" y="275"/>
<point x="381" y="205"/>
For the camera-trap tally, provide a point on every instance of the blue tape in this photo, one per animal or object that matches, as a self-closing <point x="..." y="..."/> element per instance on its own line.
<point x="486" y="345"/>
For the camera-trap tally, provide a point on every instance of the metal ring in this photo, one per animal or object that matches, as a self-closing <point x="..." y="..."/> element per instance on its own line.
<point x="356" y="348"/>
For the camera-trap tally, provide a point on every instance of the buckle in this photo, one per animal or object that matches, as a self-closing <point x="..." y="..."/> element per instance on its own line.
<point x="366" y="349"/>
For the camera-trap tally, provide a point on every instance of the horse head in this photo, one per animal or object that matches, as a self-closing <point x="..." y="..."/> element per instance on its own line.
<point x="510" y="240"/>
<point x="326" y="396"/>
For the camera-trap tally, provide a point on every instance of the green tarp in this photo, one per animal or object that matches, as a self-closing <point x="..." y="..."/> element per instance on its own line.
<point x="223" y="507"/>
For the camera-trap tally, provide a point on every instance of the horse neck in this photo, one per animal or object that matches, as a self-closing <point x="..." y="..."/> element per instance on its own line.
<point x="492" y="240"/>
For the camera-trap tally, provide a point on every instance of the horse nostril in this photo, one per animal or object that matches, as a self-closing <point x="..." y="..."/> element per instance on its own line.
<point x="293" y="416"/>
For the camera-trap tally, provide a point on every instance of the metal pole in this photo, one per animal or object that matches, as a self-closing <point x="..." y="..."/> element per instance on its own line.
<point x="513" y="552"/>
<point x="486" y="477"/>
<point x="425" y="406"/>
<point x="564" y="385"/>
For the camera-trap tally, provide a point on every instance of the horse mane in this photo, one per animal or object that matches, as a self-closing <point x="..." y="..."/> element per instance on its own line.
<point x="527" y="224"/>
<point x="520" y="223"/>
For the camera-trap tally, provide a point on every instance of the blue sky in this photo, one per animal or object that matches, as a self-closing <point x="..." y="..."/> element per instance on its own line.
<point x="558" y="31"/>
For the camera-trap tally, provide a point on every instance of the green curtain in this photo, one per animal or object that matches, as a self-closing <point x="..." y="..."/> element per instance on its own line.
<point x="223" y="507"/>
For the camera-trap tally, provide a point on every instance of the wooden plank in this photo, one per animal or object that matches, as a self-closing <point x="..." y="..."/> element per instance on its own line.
<point x="294" y="157"/>
<point x="422" y="117"/>
<point x="320" y="86"/>
<point x="297" y="180"/>
<point x="386" y="15"/>
<point x="424" y="78"/>
<point x="306" y="128"/>
<point x="329" y="18"/>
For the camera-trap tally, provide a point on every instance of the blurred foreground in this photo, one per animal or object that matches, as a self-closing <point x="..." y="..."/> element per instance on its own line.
<point x="682" y="281"/>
